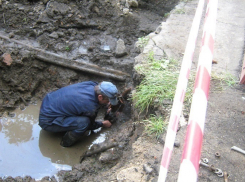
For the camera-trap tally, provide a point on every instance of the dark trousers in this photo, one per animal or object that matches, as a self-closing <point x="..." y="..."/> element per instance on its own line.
<point x="77" y="124"/>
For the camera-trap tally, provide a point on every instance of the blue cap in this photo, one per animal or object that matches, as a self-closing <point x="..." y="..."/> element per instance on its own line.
<point x="110" y="90"/>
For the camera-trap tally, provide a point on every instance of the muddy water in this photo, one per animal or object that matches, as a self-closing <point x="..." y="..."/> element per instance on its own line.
<point x="27" y="150"/>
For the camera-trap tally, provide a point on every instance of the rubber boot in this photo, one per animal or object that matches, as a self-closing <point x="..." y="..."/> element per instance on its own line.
<point x="69" y="139"/>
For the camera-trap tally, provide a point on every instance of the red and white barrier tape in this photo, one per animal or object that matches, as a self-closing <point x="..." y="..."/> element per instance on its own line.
<point x="180" y="93"/>
<point x="193" y="142"/>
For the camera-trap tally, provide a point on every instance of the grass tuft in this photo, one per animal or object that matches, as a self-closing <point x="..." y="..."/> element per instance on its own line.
<point x="160" y="82"/>
<point x="224" y="79"/>
<point x="155" y="125"/>
<point x="143" y="41"/>
<point x="157" y="85"/>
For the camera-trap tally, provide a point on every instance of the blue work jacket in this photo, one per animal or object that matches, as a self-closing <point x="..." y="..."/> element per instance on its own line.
<point x="74" y="100"/>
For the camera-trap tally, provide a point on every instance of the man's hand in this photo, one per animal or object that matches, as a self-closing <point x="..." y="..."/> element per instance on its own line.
<point x="106" y="124"/>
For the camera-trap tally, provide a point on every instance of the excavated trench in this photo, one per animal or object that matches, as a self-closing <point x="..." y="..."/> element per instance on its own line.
<point x="45" y="45"/>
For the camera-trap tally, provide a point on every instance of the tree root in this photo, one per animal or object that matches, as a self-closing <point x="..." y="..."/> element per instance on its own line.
<point x="53" y="58"/>
<point x="102" y="149"/>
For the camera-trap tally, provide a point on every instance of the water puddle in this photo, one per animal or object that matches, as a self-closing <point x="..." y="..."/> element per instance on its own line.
<point x="28" y="150"/>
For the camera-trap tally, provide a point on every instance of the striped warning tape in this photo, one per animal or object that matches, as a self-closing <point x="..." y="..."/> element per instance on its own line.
<point x="193" y="142"/>
<point x="180" y="93"/>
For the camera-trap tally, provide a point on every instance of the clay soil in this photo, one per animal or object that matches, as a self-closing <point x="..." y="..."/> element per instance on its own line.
<point x="88" y="32"/>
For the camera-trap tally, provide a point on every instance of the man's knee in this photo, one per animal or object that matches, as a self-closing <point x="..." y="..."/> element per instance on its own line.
<point x="84" y="120"/>
<point x="83" y="124"/>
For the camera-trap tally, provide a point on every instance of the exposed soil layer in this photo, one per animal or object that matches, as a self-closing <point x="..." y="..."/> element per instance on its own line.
<point x="46" y="45"/>
<point x="84" y="31"/>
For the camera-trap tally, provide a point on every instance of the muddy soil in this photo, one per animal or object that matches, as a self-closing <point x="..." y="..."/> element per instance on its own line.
<point x="46" y="45"/>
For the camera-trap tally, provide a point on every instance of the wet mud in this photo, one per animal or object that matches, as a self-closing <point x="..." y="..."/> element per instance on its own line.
<point x="45" y="45"/>
<point x="24" y="145"/>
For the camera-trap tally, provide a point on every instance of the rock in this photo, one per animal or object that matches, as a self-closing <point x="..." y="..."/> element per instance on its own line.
<point x="7" y="59"/>
<point x="70" y="15"/>
<point x="80" y="175"/>
<point x="22" y="107"/>
<point x="28" y="178"/>
<point x="158" y="30"/>
<point x="18" y="179"/>
<point x="120" y="49"/>
<point x="11" y="114"/>
<point x="11" y="35"/>
<point x="125" y="11"/>
<point x="109" y="156"/>
<point x="54" y="35"/>
<point x="47" y="179"/>
<point x="96" y="10"/>
<point x="60" y="34"/>
<point x="55" y="9"/>
<point x="133" y="3"/>
<point x="167" y="102"/>
<point x="9" y="178"/>
<point x="43" y="18"/>
<point x="177" y="144"/>
<point x="147" y="169"/>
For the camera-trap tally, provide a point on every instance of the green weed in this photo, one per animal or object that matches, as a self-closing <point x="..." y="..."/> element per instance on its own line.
<point x="143" y="41"/>
<point x="155" y="125"/>
<point x="24" y="20"/>
<point x="159" y="84"/>
<point x="166" y="15"/>
<point x="179" y="11"/>
<point x="224" y="79"/>
<point x="67" y="48"/>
